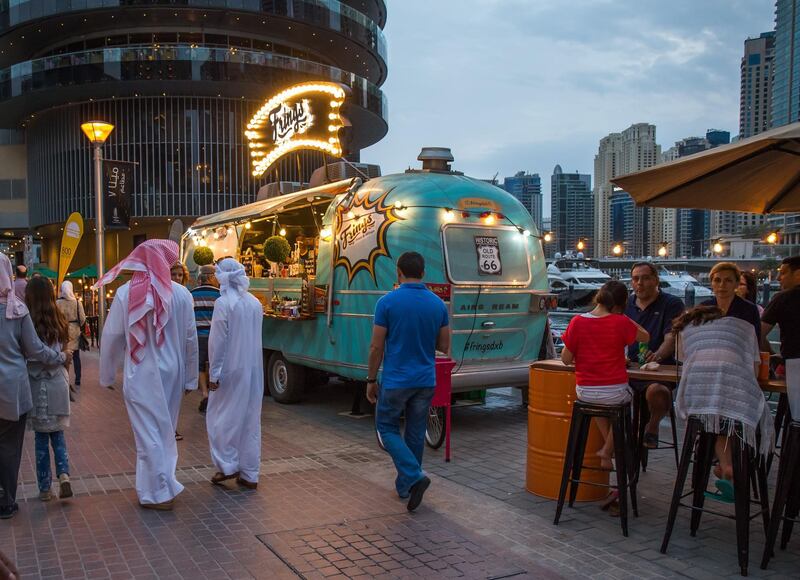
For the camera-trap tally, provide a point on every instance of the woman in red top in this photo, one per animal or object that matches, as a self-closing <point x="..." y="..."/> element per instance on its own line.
<point x="596" y="341"/>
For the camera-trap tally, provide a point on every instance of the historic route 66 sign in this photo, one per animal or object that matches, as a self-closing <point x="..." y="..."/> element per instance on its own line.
<point x="488" y="248"/>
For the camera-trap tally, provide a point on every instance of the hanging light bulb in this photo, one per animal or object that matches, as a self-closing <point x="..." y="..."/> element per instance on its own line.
<point x="548" y="237"/>
<point x="449" y="215"/>
<point x="282" y="232"/>
<point x="248" y="225"/>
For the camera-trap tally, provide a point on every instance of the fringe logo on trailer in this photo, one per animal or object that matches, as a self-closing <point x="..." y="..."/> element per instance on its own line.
<point x="360" y="234"/>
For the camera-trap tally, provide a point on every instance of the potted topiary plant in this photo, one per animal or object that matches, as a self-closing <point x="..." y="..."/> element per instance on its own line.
<point x="203" y="256"/>
<point x="277" y="249"/>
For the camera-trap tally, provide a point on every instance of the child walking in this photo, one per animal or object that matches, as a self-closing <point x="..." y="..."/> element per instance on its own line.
<point x="49" y="390"/>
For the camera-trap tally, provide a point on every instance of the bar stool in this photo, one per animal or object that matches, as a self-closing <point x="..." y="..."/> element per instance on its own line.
<point x="702" y="443"/>
<point x="782" y="420"/>
<point x="787" y="493"/>
<point x="641" y="418"/>
<point x="625" y="456"/>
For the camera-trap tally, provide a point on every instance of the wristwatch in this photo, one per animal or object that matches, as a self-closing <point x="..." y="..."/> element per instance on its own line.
<point x="370" y="380"/>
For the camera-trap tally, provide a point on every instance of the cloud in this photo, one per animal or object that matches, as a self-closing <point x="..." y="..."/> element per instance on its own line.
<point x="526" y="84"/>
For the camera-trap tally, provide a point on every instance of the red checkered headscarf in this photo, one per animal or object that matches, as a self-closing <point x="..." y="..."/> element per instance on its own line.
<point x="150" y="290"/>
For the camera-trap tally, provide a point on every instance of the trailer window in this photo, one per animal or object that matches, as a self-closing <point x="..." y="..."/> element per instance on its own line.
<point x="486" y="255"/>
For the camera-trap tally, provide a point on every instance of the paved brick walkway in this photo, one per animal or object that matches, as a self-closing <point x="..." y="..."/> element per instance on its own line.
<point x="325" y="507"/>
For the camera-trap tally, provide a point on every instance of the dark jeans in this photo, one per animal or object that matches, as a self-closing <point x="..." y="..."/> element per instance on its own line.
<point x="406" y="450"/>
<point x="76" y="363"/>
<point x="43" y="474"/>
<point x="12" y="435"/>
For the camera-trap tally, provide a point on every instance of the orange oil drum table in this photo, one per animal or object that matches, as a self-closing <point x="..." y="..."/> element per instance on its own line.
<point x="550" y="397"/>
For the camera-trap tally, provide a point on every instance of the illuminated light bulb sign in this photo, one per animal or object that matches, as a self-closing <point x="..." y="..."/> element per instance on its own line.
<point x="304" y="116"/>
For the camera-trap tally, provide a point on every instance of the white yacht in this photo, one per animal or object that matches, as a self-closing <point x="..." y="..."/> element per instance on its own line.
<point x="575" y="279"/>
<point x="675" y="283"/>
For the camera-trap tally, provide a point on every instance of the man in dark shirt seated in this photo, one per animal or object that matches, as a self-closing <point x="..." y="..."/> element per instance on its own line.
<point x="784" y="310"/>
<point x="654" y="311"/>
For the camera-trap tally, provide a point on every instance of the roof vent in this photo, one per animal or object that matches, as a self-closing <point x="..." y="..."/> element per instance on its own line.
<point x="436" y="159"/>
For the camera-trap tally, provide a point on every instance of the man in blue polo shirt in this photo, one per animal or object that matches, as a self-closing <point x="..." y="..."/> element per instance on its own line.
<point x="411" y="324"/>
<point x="654" y="311"/>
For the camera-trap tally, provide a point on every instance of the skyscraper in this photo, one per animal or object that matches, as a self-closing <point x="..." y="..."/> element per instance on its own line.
<point x="571" y="210"/>
<point x="786" y="93"/>
<point x="755" y="104"/>
<point x="632" y="150"/>
<point x="527" y="188"/>
<point x="786" y="83"/>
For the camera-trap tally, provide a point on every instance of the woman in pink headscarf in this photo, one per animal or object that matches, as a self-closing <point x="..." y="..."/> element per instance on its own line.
<point x="18" y="341"/>
<point x="151" y="333"/>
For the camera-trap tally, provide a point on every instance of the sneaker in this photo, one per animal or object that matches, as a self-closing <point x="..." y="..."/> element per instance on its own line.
<point x="64" y="486"/>
<point x="45" y="495"/>
<point x="8" y="511"/>
<point x="416" y="492"/>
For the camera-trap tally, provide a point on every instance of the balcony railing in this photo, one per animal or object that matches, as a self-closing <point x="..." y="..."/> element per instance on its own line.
<point x="330" y="14"/>
<point x="179" y="63"/>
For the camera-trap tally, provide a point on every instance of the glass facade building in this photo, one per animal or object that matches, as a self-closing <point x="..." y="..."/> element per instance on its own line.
<point x="527" y="188"/>
<point x="180" y="81"/>
<point x="571" y="210"/>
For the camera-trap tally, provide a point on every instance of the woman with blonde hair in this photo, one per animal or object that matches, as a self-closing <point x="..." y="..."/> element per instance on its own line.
<point x="719" y="384"/>
<point x="725" y="278"/>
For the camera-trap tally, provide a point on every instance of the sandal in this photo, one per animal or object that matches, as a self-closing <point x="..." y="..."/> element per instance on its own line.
<point x="651" y="440"/>
<point x="610" y="499"/>
<point x="178" y="436"/>
<point x="246" y="484"/>
<point x="724" y="492"/>
<point x="219" y="477"/>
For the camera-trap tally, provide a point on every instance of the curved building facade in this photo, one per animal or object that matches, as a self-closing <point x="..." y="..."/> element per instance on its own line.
<point x="179" y="79"/>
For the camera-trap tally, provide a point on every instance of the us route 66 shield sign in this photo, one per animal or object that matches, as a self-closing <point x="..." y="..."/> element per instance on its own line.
<point x="488" y="248"/>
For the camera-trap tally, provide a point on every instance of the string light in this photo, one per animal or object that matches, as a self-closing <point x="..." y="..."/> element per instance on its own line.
<point x="282" y="232"/>
<point x="449" y="215"/>
<point x="548" y="237"/>
<point x="248" y="225"/>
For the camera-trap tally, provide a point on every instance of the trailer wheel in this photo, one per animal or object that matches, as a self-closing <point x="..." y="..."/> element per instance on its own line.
<point x="436" y="428"/>
<point x="286" y="380"/>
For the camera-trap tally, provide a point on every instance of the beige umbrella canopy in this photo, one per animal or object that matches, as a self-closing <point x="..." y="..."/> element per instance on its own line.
<point x="759" y="175"/>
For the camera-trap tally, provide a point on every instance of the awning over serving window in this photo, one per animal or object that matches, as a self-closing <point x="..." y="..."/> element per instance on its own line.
<point x="273" y="205"/>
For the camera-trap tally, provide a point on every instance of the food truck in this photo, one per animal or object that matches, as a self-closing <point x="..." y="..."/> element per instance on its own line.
<point x="483" y="257"/>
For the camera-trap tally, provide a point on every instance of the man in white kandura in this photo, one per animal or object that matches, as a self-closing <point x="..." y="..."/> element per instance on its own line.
<point x="151" y="330"/>
<point x="236" y="379"/>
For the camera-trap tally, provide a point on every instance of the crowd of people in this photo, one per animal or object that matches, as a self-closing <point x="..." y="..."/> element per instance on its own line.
<point x="719" y="343"/>
<point x="163" y="338"/>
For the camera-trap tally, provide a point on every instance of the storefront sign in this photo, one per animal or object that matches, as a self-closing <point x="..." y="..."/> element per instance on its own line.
<point x="304" y="116"/>
<point x="360" y="233"/>
<point x="476" y="203"/>
<point x="488" y="248"/>
<point x="73" y="232"/>
<point x="117" y="188"/>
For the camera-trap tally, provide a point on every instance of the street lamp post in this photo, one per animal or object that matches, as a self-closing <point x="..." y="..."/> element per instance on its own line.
<point x="97" y="132"/>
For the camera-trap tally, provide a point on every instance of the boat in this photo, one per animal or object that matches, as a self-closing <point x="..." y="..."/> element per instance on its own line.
<point x="575" y="279"/>
<point x="675" y="283"/>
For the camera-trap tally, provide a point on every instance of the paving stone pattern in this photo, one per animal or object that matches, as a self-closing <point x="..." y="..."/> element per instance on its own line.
<point x="326" y="507"/>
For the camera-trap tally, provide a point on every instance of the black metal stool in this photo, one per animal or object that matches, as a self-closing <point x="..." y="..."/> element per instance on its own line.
<point x="787" y="493"/>
<point x="744" y="458"/>
<point x="641" y="416"/>
<point x="625" y="456"/>
<point x="783" y="418"/>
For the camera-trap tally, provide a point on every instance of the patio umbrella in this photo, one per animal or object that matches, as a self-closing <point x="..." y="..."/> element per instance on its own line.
<point x="760" y="174"/>
<point x="85" y="272"/>
<point x="45" y="271"/>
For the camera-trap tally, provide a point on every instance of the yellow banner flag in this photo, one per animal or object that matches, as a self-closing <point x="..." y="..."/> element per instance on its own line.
<point x="73" y="232"/>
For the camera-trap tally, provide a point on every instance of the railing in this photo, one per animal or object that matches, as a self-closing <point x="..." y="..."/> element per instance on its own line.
<point x="330" y="14"/>
<point x="179" y="63"/>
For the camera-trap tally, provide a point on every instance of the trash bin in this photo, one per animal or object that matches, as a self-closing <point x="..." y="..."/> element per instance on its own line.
<point x="550" y="397"/>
